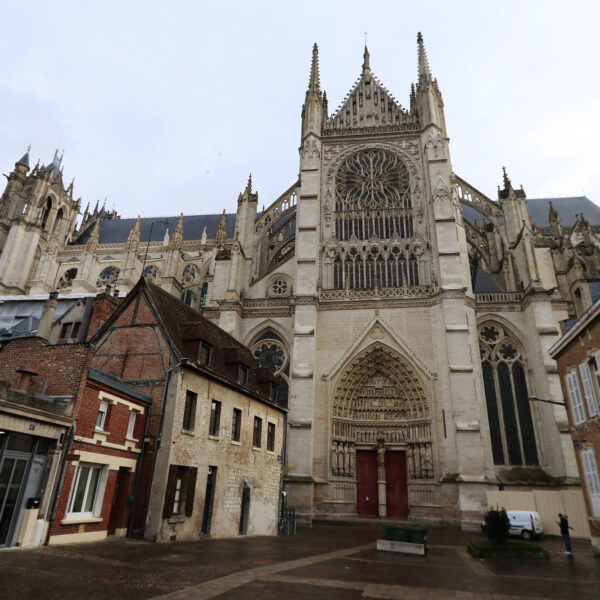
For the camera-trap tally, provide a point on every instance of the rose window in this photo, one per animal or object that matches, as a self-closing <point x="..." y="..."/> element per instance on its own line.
<point x="279" y="287"/>
<point x="271" y="354"/>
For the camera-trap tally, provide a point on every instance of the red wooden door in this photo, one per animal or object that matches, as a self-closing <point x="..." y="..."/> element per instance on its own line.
<point x="367" y="500"/>
<point x="396" y="496"/>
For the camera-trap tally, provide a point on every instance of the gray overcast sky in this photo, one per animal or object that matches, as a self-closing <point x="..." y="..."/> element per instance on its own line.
<point x="165" y="107"/>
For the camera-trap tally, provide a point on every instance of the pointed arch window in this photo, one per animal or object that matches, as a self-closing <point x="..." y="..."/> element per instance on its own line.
<point x="46" y="213"/>
<point x="509" y="412"/>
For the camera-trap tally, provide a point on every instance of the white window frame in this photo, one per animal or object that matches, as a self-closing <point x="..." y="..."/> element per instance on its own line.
<point x="588" y="389"/>
<point x="131" y="425"/>
<point x="102" y="410"/>
<point x="98" y="494"/>
<point x="575" y="397"/>
<point x="177" y="496"/>
<point x="593" y="482"/>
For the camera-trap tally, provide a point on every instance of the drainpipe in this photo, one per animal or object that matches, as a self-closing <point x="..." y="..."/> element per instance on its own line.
<point x="138" y="476"/>
<point x="60" y="482"/>
<point x="158" y="436"/>
<point x="282" y="502"/>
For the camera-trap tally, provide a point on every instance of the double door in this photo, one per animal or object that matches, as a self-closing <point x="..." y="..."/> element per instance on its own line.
<point x="396" y="488"/>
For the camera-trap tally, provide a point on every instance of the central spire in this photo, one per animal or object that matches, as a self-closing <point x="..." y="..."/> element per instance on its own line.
<point x="366" y="60"/>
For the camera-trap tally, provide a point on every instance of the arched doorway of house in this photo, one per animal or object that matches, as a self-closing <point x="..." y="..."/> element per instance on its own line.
<point x="381" y="431"/>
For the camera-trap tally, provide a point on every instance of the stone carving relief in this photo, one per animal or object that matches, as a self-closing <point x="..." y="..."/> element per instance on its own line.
<point x="380" y="397"/>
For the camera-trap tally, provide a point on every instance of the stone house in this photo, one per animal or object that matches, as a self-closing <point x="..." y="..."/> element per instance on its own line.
<point x="213" y="461"/>
<point x="577" y="354"/>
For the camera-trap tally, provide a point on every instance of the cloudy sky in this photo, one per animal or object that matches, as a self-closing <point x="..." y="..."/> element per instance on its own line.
<point x="165" y="107"/>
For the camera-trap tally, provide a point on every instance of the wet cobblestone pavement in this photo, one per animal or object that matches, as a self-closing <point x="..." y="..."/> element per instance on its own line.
<point x="320" y="562"/>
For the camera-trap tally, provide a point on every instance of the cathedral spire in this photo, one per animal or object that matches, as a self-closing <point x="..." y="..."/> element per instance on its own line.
<point x="314" y="83"/>
<point x="24" y="160"/>
<point x="366" y="60"/>
<point x="424" y="71"/>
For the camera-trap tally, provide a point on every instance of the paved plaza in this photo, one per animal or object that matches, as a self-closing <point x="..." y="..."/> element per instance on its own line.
<point x="324" y="561"/>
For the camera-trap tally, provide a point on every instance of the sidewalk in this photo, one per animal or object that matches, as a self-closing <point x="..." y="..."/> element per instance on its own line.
<point x="321" y="562"/>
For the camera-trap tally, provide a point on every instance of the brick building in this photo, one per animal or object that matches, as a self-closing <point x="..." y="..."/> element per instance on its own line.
<point x="577" y="354"/>
<point x="92" y="483"/>
<point x="214" y="410"/>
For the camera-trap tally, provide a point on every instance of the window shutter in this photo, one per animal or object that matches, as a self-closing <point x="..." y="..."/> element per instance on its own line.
<point x="191" y="490"/>
<point x="588" y="389"/>
<point x="170" y="493"/>
<point x="591" y="475"/>
<point x="575" y="397"/>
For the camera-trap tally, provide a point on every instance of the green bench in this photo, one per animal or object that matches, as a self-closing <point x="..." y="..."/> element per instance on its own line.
<point x="403" y="538"/>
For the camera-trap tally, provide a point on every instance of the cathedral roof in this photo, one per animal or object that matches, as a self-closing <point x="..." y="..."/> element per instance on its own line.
<point x="539" y="209"/>
<point x="116" y="231"/>
<point x="567" y="209"/>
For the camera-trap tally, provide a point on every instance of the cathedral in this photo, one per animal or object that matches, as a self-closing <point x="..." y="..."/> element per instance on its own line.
<point x="406" y="314"/>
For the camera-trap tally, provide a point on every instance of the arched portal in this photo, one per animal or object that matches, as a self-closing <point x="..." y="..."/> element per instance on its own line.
<point x="380" y="405"/>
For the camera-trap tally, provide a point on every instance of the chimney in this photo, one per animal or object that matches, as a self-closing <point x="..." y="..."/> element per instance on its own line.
<point x="45" y="324"/>
<point x="25" y="380"/>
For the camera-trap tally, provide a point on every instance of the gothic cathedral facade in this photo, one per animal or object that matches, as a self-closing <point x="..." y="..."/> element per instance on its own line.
<point x="408" y="338"/>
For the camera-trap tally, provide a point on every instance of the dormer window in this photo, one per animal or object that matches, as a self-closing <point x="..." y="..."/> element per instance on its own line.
<point x="204" y="352"/>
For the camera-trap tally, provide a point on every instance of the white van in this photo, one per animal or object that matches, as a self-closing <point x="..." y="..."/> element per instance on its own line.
<point x="525" y="523"/>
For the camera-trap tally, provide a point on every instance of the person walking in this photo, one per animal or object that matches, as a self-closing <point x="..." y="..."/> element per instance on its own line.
<point x="564" y="531"/>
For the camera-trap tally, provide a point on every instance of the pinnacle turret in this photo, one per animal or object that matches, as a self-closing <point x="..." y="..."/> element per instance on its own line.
<point x="424" y="71"/>
<point x="221" y="234"/>
<point x="177" y="239"/>
<point x="314" y="83"/>
<point x="24" y="160"/>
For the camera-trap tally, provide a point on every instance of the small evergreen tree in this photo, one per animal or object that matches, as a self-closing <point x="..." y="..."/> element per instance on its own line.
<point x="496" y="525"/>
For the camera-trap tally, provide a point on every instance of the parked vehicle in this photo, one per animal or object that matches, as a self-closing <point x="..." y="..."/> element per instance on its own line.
<point x="524" y="523"/>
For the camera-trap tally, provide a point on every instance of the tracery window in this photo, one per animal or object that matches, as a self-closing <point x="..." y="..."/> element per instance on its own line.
<point x="372" y="197"/>
<point x="67" y="278"/>
<point x="108" y="276"/>
<point x="189" y="274"/>
<point x="373" y="204"/>
<point x="150" y="272"/>
<point x="509" y="412"/>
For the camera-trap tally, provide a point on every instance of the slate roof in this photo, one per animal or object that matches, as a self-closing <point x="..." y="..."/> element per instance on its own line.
<point x="484" y="284"/>
<point x="185" y="327"/>
<point x="116" y="231"/>
<point x="567" y="209"/>
<point x="539" y="209"/>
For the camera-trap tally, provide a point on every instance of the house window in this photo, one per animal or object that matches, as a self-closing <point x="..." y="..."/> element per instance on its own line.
<point x="64" y="331"/>
<point x="507" y="400"/>
<point x="75" y="330"/>
<point x="575" y="398"/>
<point x="181" y="489"/>
<point x="243" y="375"/>
<point x="271" y="437"/>
<point x="215" y="418"/>
<point x="272" y="391"/>
<point x="189" y="412"/>
<point x="101" y="418"/>
<point x="204" y="354"/>
<point x="236" y="425"/>
<point x="257" y="433"/>
<point x="87" y="484"/>
<point x="591" y="475"/>
<point x="131" y="424"/>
